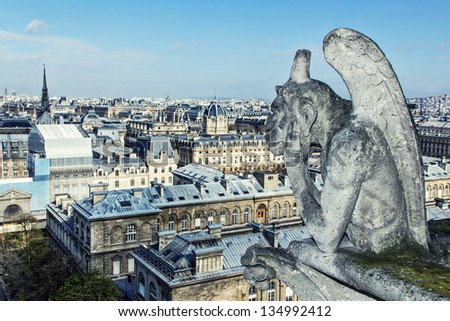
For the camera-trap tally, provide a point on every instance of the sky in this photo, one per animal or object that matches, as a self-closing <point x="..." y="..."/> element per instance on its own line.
<point x="201" y="48"/>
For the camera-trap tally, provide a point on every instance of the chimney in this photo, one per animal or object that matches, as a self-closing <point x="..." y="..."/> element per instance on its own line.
<point x="200" y="186"/>
<point x="272" y="236"/>
<point x="97" y="197"/>
<point x="226" y="185"/>
<point x="160" y="190"/>
<point x="165" y="238"/>
<point x="208" y="259"/>
<point x="257" y="227"/>
<point x="215" y="230"/>
<point x="60" y="197"/>
<point x="137" y="192"/>
<point x="97" y="187"/>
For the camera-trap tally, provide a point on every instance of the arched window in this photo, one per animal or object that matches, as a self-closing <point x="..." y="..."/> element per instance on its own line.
<point x="131" y="233"/>
<point x="152" y="291"/>
<point x="271" y="295"/>
<point x="184" y="222"/>
<point x="246" y="214"/>
<point x="223" y="217"/>
<point x="210" y="217"/>
<point x="274" y="211"/>
<point x="234" y="216"/>
<point x="284" y="210"/>
<point x="171" y="223"/>
<point x="252" y="293"/>
<point x="141" y="285"/>
<point x="198" y="220"/>
<point x="115" y="236"/>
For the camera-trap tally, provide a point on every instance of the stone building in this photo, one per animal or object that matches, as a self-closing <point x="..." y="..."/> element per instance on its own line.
<point x="101" y="230"/>
<point x="14" y="147"/>
<point x="437" y="180"/>
<point x="230" y="153"/>
<point x="215" y="120"/>
<point x="14" y="206"/>
<point x="434" y="138"/>
<point x="204" y="266"/>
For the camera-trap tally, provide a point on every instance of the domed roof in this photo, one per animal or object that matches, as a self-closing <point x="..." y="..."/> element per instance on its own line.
<point x="215" y="110"/>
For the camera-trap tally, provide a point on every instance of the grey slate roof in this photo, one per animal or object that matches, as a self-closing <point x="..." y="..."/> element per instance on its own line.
<point x="175" y="264"/>
<point x="114" y="203"/>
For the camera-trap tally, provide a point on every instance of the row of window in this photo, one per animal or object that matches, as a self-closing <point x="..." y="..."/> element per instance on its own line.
<point x="133" y="181"/>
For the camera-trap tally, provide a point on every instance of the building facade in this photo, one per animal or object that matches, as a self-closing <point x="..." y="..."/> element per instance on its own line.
<point x="14" y="134"/>
<point x="107" y="225"/>
<point x="204" y="266"/>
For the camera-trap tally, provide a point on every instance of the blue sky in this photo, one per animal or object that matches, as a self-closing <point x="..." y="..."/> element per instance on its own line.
<point x="197" y="48"/>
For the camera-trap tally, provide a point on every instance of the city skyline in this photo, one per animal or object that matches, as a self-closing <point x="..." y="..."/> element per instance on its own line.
<point x="185" y="49"/>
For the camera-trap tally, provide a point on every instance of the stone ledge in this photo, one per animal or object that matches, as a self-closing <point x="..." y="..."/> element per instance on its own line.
<point x="343" y="266"/>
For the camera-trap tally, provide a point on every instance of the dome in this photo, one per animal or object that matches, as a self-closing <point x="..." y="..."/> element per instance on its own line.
<point x="214" y="110"/>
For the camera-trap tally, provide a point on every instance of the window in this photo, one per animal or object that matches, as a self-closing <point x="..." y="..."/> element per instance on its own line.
<point x="130" y="265"/>
<point x="171" y="222"/>
<point x="234" y="217"/>
<point x="271" y="292"/>
<point x="141" y="286"/>
<point x="116" y="184"/>
<point x="294" y="210"/>
<point x="275" y="211"/>
<point x="198" y="220"/>
<point x="142" y="181"/>
<point x="116" y="267"/>
<point x="131" y="233"/>
<point x="284" y="211"/>
<point x="170" y="179"/>
<point x="210" y="218"/>
<point x="132" y="182"/>
<point x="223" y="217"/>
<point x="158" y="224"/>
<point x="152" y="288"/>
<point x="184" y="223"/>
<point x="246" y="214"/>
<point x="155" y="171"/>
<point x="252" y="293"/>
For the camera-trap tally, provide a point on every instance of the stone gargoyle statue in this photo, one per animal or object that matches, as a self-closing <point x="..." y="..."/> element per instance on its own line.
<point x="372" y="197"/>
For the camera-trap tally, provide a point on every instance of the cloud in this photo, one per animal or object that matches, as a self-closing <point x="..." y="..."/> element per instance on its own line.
<point x="36" y="26"/>
<point x="177" y="45"/>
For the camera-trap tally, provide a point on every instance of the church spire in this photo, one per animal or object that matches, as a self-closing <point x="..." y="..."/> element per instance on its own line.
<point x="45" y="102"/>
<point x="45" y="116"/>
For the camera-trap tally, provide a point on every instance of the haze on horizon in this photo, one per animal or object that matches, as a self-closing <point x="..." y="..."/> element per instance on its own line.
<point x="186" y="49"/>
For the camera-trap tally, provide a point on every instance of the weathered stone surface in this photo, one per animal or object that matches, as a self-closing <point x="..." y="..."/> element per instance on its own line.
<point x="372" y="193"/>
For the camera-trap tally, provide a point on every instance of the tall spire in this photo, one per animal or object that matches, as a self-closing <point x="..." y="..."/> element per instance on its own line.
<point x="45" y="102"/>
<point x="45" y="116"/>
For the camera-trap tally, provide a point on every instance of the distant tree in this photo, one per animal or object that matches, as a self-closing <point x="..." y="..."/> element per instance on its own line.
<point x="34" y="271"/>
<point x="92" y="286"/>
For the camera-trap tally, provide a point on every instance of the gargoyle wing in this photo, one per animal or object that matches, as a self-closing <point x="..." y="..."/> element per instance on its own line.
<point x="377" y="96"/>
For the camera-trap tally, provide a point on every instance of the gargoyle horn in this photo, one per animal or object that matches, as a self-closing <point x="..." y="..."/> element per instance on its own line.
<point x="300" y="67"/>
